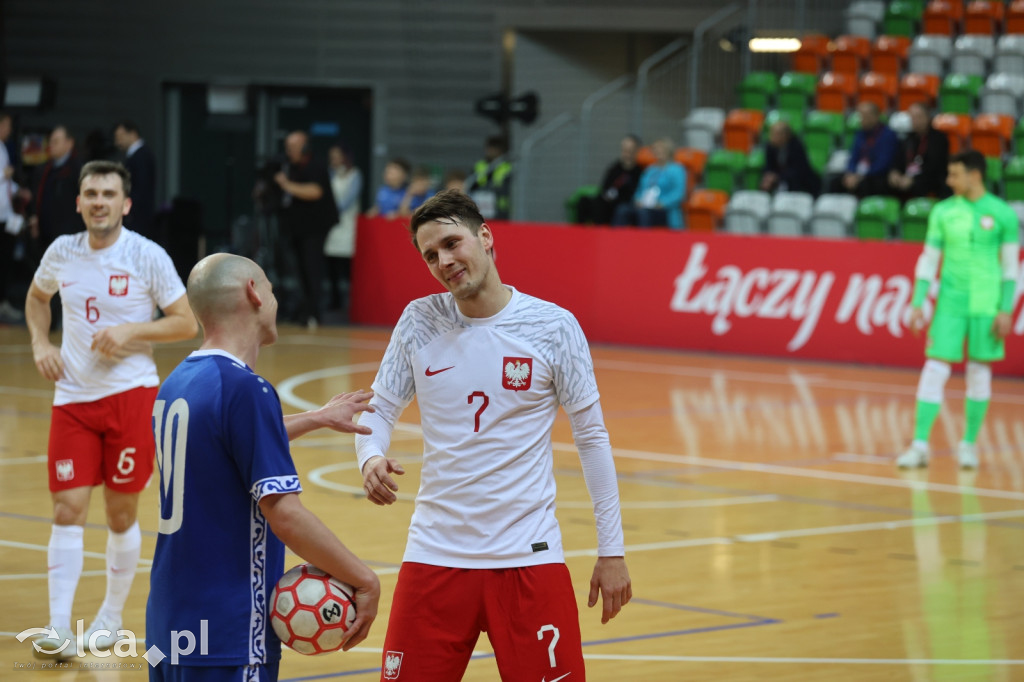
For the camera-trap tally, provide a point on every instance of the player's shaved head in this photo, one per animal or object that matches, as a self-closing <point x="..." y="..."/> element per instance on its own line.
<point x="217" y="285"/>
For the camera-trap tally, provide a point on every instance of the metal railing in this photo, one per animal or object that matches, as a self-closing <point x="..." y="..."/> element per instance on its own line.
<point x="612" y="126"/>
<point x="528" y="192"/>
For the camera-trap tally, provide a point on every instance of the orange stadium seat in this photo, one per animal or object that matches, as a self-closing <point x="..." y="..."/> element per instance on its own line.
<point x="850" y="54"/>
<point x="984" y="17"/>
<point x="917" y="88"/>
<point x="836" y="91"/>
<point x="957" y="128"/>
<point x="991" y="134"/>
<point x="1015" y="17"/>
<point x="742" y="129"/>
<point x="705" y="209"/>
<point x="879" y="88"/>
<point x="812" y="56"/>
<point x="942" y="17"/>
<point x="693" y="161"/>
<point x="645" y="157"/>
<point x="889" y="54"/>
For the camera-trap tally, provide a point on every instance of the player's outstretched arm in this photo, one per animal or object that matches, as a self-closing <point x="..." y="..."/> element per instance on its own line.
<point x="611" y="581"/>
<point x="338" y="415"/>
<point x="37" y="318"/>
<point x="307" y="536"/>
<point x="177" y="324"/>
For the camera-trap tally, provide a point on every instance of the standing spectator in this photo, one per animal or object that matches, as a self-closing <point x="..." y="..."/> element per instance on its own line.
<point x="418" y="191"/>
<point x="141" y="165"/>
<point x="920" y="171"/>
<point x="229" y="493"/>
<point x="489" y="367"/>
<point x="111" y="281"/>
<point x="392" y="191"/>
<point x="340" y="247"/>
<point x="10" y="222"/>
<point x="308" y="212"/>
<point x="875" y="149"/>
<point x="617" y="188"/>
<point x="659" y="196"/>
<point x="55" y="211"/>
<point x="786" y="166"/>
<point x="491" y="183"/>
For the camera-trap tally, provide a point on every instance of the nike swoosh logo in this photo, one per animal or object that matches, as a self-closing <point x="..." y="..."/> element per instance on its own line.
<point x="118" y="479"/>
<point x="67" y="284"/>
<point x="544" y="679"/>
<point x="50" y="568"/>
<point x="431" y="373"/>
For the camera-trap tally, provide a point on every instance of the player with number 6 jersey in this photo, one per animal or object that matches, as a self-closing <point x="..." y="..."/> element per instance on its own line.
<point x="490" y="366"/>
<point x="111" y="281"/>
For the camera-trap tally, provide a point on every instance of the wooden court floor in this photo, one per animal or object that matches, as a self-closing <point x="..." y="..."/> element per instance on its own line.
<point x="769" y="535"/>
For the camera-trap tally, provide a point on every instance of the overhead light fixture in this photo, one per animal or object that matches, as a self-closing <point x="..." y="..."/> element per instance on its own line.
<point x="774" y="44"/>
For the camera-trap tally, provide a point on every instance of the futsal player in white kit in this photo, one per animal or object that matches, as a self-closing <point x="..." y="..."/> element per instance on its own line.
<point x="110" y="281"/>
<point x="490" y="366"/>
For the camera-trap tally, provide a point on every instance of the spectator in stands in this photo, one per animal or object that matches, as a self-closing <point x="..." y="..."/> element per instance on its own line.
<point x="491" y="183"/>
<point x="659" y="196"/>
<point x="419" y="190"/>
<point x="392" y="191"/>
<point x="141" y="165"/>
<point x="875" y="149"/>
<point x="55" y="211"/>
<point x="307" y="214"/>
<point x="455" y="179"/>
<point x="340" y="246"/>
<point x="617" y="188"/>
<point x="920" y="171"/>
<point x="10" y="221"/>
<point x="786" y="166"/>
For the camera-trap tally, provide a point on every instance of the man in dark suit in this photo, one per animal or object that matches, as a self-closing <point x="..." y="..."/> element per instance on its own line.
<point x="141" y="165"/>
<point x="786" y="166"/>
<point x="920" y="171"/>
<point x="55" y="190"/>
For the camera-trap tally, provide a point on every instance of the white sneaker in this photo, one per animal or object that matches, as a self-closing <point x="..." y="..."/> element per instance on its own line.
<point x="104" y="640"/>
<point x="58" y="645"/>
<point x="967" y="455"/>
<point x="915" y="457"/>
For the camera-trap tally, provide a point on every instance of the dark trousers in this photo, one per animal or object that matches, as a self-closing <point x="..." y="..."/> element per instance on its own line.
<point x="594" y="211"/>
<point x="870" y="185"/>
<point x="339" y="269"/>
<point x="627" y="214"/>
<point x="8" y="242"/>
<point x="309" y="255"/>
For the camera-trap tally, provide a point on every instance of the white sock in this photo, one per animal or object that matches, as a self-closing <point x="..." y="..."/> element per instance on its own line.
<point x="63" y="569"/>
<point x="122" y="559"/>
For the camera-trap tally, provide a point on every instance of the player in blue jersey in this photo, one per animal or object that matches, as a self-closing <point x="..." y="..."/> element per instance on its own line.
<point x="228" y="492"/>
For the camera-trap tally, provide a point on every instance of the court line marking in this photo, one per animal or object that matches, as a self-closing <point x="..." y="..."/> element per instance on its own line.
<point x="29" y="392"/>
<point x="827" y="661"/>
<point x="85" y="574"/>
<point x="23" y="460"/>
<point x="45" y="548"/>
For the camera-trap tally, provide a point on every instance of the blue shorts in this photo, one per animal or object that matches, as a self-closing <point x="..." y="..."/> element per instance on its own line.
<point x="165" y="672"/>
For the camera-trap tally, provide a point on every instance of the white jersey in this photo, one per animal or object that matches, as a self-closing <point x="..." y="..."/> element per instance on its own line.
<point x="102" y="288"/>
<point x="489" y="390"/>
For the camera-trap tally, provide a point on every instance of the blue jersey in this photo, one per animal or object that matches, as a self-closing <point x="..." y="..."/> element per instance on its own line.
<point x="221" y="445"/>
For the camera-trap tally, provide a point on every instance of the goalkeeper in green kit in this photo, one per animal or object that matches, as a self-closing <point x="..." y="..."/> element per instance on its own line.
<point x="976" y="235"/>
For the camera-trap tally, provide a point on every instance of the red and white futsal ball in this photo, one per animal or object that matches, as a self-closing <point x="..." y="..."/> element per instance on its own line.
<point x="311" y="611"/>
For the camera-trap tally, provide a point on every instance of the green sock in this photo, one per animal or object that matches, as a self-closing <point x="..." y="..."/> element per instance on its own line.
<point x="975" y="412"/>
<point x="924" y="419"/>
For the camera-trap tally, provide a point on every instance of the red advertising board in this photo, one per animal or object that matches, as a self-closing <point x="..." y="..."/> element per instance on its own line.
<point x="803" y="298"/>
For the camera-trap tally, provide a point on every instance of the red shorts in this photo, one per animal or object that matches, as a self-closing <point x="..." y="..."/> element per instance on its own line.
<point x="107" y="441"/>
<point x="529" y="615"/>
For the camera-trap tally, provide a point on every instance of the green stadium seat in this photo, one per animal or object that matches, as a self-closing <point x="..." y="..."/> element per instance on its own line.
<point x="754" y="168"/>
<point x="573" y="202"/>
<point x="1018" y="137"/>
<point x="877" y="217"/>
<point x="757" y="90"/>
<point x="823" y="129"/>
<point x="795" y="121"/>
<point x="723" y="168"/>
<point x="902" y="18"/>
<point x="1013" y="179"/>
<point x="852" y="126"/>
<point x="914" y="221"/>
<point x="959" y="93"/>
<point x="796" y="91"/>
<point x="994" y="175"/>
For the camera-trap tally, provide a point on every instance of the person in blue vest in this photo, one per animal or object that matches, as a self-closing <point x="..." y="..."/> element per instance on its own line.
<point x="659" y="196"/>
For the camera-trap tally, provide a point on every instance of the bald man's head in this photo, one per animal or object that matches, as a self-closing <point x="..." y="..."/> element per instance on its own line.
<point x="217" y="286"/>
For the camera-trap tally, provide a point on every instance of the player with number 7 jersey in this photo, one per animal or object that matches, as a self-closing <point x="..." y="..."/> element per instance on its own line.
<point x="489" y="366"/>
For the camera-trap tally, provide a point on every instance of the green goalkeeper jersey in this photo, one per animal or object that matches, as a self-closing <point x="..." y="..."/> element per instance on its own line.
<point x="970" y="235"/>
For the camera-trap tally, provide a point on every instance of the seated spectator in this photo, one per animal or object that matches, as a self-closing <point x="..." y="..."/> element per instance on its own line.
<point x="618" y="186"/>
<point x="874" y="152"/>
<point x="455" y="179"/>
<point x="786" y="166"/>
<point x="491" y="183"/>
<point x="390" y="195"/>
<point x="920" y="171"/>
<point x="659" y="195"/>
<point x="419" y="190"/>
